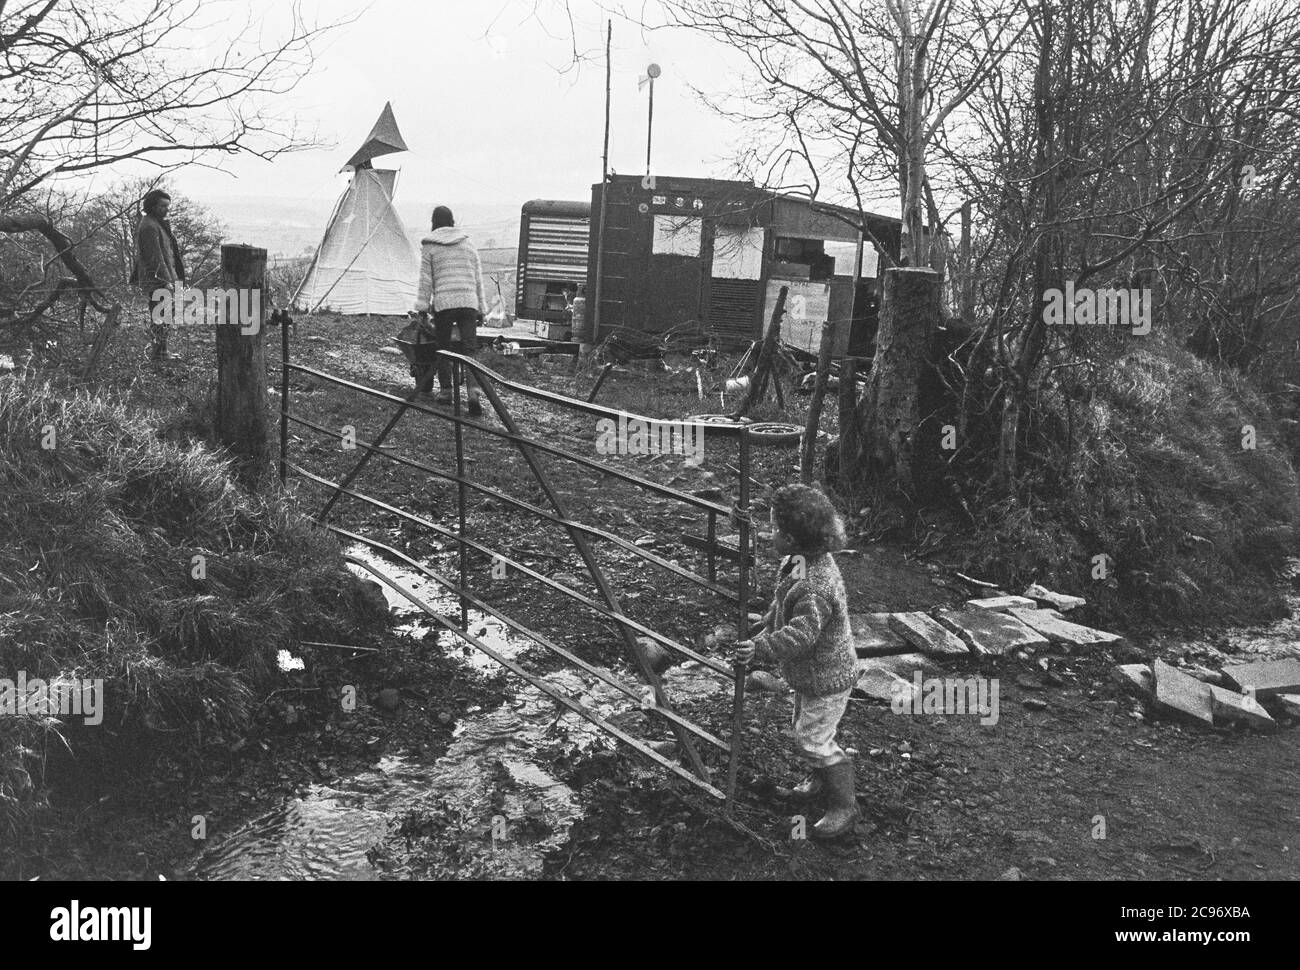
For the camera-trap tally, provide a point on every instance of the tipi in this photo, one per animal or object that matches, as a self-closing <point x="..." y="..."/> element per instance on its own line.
<point x="365" y="263"/>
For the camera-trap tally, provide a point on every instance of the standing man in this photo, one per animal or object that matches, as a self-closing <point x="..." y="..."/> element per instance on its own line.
<point x="158" y="263"/>
<point x="451" y="288"/>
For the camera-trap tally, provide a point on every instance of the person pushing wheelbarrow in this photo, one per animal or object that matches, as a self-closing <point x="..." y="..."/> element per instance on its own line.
<point x="451" y="292"/>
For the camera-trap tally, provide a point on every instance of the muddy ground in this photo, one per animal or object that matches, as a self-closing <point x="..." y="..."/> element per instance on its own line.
<point x="942" y="798"/>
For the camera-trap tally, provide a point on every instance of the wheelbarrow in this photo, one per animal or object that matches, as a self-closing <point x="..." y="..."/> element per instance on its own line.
<point x="419" y="347"/>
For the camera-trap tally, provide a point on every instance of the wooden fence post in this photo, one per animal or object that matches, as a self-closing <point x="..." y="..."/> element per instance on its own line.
<point x="241" y="421"/>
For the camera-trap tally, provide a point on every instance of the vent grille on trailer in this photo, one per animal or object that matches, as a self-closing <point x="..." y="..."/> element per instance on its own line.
<point x="733" y="307"/>
<point x="557" y="249"/>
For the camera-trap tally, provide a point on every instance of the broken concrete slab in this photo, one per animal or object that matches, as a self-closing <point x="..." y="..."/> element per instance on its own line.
<point x="989" y="633"/>
<point x="1178" y="693"/>
<point x="882" y="685"/>
<point x="926" y="634"/>
<point x="1057" y="601"/>
<point x="1060" y="630"/>
<point x="1229" y="707"/>
<point x="1135" y="678"/>
<point x="1290" y="704"/>
<point x="873" y="636"/>
<point x="1265" y="679"/>
<point x="1000" y="604"/>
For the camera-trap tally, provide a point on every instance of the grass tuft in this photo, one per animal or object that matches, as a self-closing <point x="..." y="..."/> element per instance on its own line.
<point x="100" y="526"/>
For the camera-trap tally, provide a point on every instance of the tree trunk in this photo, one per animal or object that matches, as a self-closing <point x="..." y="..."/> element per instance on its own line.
<point x="967" y="312"/>
<point x="11" y="222"/>
<point x="241" y="362"/>
<point x="891" y="411"/>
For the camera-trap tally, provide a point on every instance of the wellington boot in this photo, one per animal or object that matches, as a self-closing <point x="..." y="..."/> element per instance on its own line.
<point x="841" y="802"/>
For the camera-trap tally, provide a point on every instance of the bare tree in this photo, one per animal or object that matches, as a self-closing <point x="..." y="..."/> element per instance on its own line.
<point x="85" y="86"/>
<point x="861" y="91"/>
<point x="1110" y="153"/>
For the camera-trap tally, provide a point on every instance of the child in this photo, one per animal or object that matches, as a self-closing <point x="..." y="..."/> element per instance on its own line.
<point x="808" y="632"/>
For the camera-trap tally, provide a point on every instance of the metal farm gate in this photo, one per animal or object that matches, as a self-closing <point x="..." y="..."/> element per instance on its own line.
<point x="582" y="535"/>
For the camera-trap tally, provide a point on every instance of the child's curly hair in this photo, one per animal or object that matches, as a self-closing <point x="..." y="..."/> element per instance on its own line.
<point x="807" y="517"/>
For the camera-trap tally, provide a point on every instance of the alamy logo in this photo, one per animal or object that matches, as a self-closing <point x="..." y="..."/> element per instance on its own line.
<point x="648" y="436"/>
<point x="1101" y="308"/>
<point x="190" y="306"/>
<point x="947" y="695"/>
<point x="62" y="698"/>
<point x="72" y="924"/>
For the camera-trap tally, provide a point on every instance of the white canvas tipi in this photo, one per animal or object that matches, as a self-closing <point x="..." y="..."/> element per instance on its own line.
<point x="365" y="263"/>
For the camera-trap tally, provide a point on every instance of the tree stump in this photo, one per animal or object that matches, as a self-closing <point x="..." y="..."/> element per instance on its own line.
<point x="891" y="412"/>
<point x="241" y="422"/>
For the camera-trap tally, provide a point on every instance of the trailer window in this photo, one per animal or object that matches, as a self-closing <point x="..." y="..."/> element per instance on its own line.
<point x="806" y="258"/>
<point x="738" y="253"/>
<point x="676" y="236"/>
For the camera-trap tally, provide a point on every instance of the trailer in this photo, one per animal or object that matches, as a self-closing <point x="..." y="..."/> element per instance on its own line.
<point x="715" y="254"/>
<point x="554" y="244"/>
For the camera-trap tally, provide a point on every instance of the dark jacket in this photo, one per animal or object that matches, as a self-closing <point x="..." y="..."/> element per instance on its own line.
<point x="157" y="256"/>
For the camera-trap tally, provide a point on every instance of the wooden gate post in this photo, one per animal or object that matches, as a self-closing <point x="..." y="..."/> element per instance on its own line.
<point x="241" y="421"/>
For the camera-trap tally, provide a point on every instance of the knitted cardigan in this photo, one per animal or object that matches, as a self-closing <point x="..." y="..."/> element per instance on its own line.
<point x="451" y="276"/>
<point x="809" y="629"/>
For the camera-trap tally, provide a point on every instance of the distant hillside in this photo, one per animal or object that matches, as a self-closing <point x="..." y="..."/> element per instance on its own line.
<point x="290" y="227"/>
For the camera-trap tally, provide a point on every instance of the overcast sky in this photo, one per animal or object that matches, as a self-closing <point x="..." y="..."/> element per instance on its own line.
<point x="479" y="92"/>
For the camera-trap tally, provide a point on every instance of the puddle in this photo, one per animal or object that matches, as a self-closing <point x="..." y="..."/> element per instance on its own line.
<point x="490" y="807"/>
<point x="327" y="834"/>
<point x="487" y="628"/>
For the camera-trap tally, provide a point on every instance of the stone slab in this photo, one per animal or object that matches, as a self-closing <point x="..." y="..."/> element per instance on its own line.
<point x="1135" y="678"/>
<point x="1290" y="704"/>
<point x="1057" y="601"/>
<point x="1060" y="630"/>
<point x="1000" y="604"/>
<point x="927" y="634"/>
<point x="1267" y="679"/>
<point x="880" y="684"/>
<point x="873" y="636"/>
<point x="1178" y="693"/>
<point x="1229" y="707"/>
<point x="989" y="633"/>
